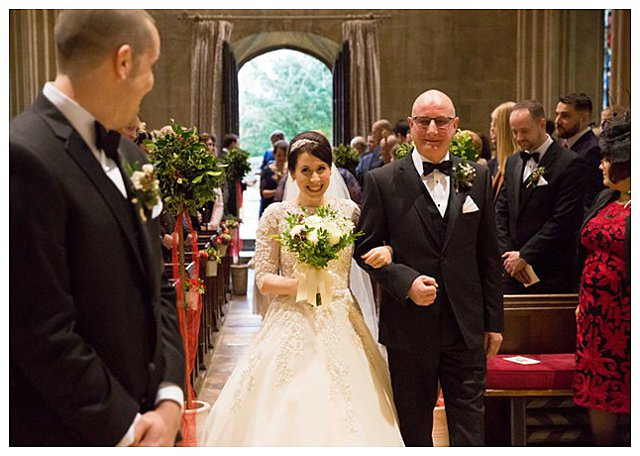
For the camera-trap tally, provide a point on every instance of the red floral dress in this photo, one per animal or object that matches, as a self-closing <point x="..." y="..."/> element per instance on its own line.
<point x="603" y="357"/>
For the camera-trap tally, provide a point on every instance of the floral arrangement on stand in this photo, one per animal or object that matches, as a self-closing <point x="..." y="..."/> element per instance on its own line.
<point x="188" y="176"/>
<point x="315" y="239"/>
<point x="214" y="258"/>
<point x="237" y="166"/>
<point x="233" y="224"/>
<point x="346" y="157"/>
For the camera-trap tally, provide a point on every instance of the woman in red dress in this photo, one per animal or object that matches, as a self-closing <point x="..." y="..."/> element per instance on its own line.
<point x="603" y="356"/>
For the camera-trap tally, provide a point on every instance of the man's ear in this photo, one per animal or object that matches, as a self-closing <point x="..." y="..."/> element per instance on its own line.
<point x="124" y="61"/>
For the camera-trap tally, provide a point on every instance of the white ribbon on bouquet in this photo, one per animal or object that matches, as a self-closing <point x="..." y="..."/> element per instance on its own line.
<point x="312" y="281"/>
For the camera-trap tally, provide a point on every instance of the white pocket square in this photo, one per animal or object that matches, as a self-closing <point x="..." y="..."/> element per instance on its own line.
<point x="469" y="205"/>
<point x="542" y="182"/>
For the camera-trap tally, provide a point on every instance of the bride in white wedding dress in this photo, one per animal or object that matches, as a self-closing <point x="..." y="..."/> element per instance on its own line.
<point x="313" y="376"/>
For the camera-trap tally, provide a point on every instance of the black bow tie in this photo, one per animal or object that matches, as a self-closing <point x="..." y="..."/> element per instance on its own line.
<point x="526" y="156"/>
<point x="444" y="167"/>
<point x="108" y="141"/>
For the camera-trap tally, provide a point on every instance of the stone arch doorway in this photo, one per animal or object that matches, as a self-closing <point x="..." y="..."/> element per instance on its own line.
<point x="332" y="54"/>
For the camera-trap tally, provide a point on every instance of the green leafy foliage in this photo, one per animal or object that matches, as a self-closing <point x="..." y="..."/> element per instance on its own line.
<point x="403" y="150"/>
<point x="462" y="146"/>
<point x="283" y="90"/>
<point x="188" y="174"/>
<point x="237" y="164"/>
<point x="346" y="157"/>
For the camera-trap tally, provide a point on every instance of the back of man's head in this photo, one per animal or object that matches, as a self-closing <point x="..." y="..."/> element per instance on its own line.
<point x="579" y="101"/>
<point x="85" y="37"/>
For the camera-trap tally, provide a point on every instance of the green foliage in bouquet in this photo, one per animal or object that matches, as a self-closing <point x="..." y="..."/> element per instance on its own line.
<point x="462" y="146"/>
<point x="346" y="157"/>
<point x="403" y="150"/>
<point x="188" y="174"/>
<point x="237" y="163"/>
<point x="316" y="239"/>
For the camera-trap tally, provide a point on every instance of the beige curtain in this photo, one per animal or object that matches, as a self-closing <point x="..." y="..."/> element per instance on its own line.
<point x="621" y="57"/>
<point x="206" y="74"/>
<point x="364" y="74"/>
<point x="32" y="56"/>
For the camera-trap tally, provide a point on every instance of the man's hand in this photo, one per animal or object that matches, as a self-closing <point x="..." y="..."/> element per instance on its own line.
<point x="378" y="256"/>
<point x="492" y="342"/>
<point x="158" y="427"/>
<point x="167" y="241"/>
<point x="513" y="264"/>
<point x="423" y="290"/>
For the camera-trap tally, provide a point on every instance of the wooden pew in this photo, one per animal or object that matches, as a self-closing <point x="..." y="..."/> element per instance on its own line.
<point x="535" y="325"/>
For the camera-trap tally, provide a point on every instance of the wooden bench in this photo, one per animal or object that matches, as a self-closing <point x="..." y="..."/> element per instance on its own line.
<point x="540" y="327"/>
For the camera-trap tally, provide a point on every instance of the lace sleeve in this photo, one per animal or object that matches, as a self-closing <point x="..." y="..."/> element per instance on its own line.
<point x="267" y="256"/>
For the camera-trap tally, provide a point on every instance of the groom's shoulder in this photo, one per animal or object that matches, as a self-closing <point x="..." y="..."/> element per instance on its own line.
<point x="388" y="171"/>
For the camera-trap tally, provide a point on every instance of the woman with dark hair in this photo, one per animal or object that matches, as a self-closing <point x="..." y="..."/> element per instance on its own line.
<point x="313" y="375"/>
<point x="603" y="355"/>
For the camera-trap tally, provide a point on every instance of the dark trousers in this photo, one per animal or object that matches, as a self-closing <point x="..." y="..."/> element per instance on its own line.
<point x="462" y="375"/>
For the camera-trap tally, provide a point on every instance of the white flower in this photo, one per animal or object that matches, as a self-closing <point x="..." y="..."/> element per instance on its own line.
<point x="314" y="221"/>
<point x="296" y="230"/>
<point x="147" y="168"/>
<point x="334" y="233"/>
<point x="312" y="236"/>
<point x="136" y="179"/>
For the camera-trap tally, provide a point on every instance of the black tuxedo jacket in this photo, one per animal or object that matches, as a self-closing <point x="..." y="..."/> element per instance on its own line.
<point x="601" y="200"/>
<point x="588" y="149"/>
<point x="93" y="330"/>
<point x="466" y="266"/>
<point x="542" y="222"/>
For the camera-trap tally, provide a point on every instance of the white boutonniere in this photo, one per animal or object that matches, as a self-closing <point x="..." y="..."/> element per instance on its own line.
<point x="536" y="178"/>
<point x="146" y="188"/>
<point x="463" y="175"/>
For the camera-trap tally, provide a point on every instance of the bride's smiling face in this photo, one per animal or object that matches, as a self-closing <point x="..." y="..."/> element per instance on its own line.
<point x="312" y="175"/>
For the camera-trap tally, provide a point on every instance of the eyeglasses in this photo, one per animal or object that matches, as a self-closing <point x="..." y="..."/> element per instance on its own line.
<point x="424" y="122"/>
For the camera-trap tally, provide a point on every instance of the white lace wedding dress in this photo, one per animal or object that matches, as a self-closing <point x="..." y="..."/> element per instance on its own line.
<point x="312" y="376"/>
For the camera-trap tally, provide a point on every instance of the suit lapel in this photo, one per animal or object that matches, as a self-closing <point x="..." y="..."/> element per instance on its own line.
<point x="546" y="161"/>
<point x="516" y="183"/>
<point x="119" y="206"/>
<point x="454" y="206"/>
<point x="417" y="193"/>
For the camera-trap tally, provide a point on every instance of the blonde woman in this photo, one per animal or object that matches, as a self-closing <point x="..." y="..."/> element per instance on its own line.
<point x="500" y="131"/>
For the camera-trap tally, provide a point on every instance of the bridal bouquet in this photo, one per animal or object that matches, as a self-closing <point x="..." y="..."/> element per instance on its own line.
<point x="315" y="239"/>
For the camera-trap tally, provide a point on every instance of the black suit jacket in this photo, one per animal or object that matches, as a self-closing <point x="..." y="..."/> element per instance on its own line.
<point x="93" y="330"/>
<point x="542" y="222"/>
<point x="588" y="149"/>
<point x="601" y="200"/>
<point x="466" y="266"/>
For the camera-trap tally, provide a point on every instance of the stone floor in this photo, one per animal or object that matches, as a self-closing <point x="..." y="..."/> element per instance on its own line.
<point x="240" y="325"/>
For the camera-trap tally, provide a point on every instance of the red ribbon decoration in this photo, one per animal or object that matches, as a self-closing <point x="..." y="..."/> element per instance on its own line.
<point x="189" y="320"/>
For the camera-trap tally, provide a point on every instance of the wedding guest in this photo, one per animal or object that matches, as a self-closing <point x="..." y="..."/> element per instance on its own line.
<point x="211" y="214"/>
<point x="402" y="131"/>
<point x="210" y="142"/>
<point x="95" y="351"/>
<point x="379" y="129"/>
<point x="539" y="208"/>
<point x="271" y="175"/>
<point x="359" y="144"/>
<point x="269" y="154"/>
<point x="131" y="130"/>
<point x="603" y="358"/>
<point x="505" y="144"/>
<point x="573" y="118"/>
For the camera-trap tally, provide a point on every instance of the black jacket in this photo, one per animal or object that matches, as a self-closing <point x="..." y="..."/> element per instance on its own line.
<point x="93" y="328"/>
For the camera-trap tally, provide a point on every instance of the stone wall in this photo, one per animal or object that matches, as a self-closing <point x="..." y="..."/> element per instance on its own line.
<point x="471" y="55"/>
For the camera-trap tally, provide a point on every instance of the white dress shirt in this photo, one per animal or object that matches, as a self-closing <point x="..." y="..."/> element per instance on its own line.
<point x="531" y="165"/>
<point x="84" y="123"/>
<point x="436" y="183"/>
